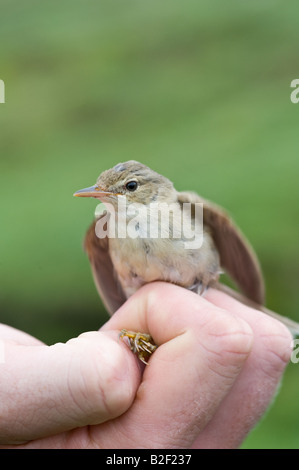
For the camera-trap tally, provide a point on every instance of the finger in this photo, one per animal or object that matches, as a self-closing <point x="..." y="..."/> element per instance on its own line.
<point x="19" y="337"/>
<point x="202" y="350"/>
<point x="257" y="383"/>
<point x="88" y="380"/>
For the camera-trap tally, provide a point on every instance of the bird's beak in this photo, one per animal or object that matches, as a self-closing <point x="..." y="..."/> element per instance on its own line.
<point x="93" y="191"/>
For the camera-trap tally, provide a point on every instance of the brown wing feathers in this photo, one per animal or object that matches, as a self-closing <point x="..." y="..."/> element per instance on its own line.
<point x="237" y="257"/>
<point x="102" y="270"/>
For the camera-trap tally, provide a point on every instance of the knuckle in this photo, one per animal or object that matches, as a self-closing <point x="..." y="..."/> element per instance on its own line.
<point x="231" y="335"/>
<point x="228" y="343"/>
<point x="276" y="346"/>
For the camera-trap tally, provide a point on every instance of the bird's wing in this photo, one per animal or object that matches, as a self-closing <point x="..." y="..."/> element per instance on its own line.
<point x="237" y="257"/>
<point x="102" y="269"/>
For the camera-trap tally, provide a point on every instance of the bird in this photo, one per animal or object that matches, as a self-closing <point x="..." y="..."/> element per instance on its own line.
<point x="141" y="238"/>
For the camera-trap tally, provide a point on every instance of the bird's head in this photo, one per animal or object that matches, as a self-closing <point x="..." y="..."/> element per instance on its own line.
<point x="135" y="181"/>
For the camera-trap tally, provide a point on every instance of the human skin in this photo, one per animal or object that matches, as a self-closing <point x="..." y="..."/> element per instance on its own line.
<point x="211" y="379"/>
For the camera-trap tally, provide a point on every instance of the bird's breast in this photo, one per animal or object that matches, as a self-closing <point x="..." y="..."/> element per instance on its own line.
<point x="139" y="261"/>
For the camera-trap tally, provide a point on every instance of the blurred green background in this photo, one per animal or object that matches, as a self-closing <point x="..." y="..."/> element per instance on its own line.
<point x="198" y="90"/>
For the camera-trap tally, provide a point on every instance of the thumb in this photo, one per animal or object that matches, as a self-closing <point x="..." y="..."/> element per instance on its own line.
<point x="49" y="389"/>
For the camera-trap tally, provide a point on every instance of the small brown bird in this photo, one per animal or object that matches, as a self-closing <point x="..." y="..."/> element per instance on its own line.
<point x="142" y="238"/>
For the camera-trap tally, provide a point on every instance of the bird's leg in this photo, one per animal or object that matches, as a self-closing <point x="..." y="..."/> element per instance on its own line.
<point x="141" y="344"/>
<point x="202" y="288"/>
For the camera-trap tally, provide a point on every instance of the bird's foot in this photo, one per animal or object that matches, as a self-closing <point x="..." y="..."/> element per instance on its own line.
<point x="202" y="288"/>
<point x="199" y="287"/>
<point x="141" y="344"/>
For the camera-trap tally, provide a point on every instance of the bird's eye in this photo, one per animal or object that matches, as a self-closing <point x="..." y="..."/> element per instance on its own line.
<point x="131" y="186"/>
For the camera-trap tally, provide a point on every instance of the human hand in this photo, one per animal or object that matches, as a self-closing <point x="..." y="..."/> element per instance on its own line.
<point x="211" y="379"/>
